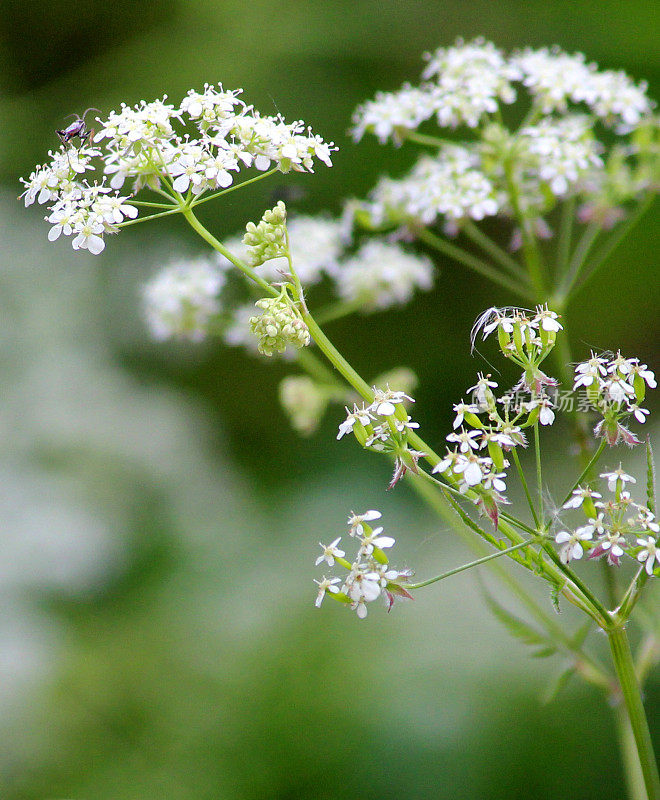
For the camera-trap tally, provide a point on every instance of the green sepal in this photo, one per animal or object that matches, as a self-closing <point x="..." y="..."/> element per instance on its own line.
<point x="495" y="452"/>
<point x="340" y="597"/>
<point x="640" y="388"/>
<point x="533" y="417"/>
<point x="504" y="340"/>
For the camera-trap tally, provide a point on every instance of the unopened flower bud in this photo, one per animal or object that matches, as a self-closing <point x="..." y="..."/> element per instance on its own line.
<point x="278" y="326"/>
<point x="267" y="239"/>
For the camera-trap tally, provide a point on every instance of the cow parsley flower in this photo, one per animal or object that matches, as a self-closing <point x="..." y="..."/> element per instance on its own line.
<point x="182" y="299"/>
<point x="381" y="275"/>
<point x="182" y="152"/>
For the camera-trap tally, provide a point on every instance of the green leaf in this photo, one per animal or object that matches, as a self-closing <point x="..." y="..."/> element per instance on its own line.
<point x="554" y="597"/>
<point x="521" y="630"/>
<point x="557" y="684"/>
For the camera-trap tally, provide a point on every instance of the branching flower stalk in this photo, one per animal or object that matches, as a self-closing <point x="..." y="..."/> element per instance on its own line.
<point x="551" y="170"/>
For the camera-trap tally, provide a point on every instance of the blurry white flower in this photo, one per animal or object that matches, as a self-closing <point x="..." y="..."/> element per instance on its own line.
<point x="181" y="299"/>
<point x="381" y="275"/>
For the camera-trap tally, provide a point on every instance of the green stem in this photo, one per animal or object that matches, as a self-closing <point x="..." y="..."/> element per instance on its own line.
<point x="471" y="262"/>
<point x="233" y="188"/>
<point x="632" y="769"/>
<point x="539" y="473"/>
<point x="579" y="257"/>
<point x="565" y="236"/>
<point x="529" y="243"/>
<point x="138" y="220"/>
<point x="523" y="480"/>
<point x="465" y="567"/>
<point x="494" y="251"/>
<point x="335" y="311"/>
<point x="585" y="472"/>
<point x="432" y="141"/>
<point x="632" y="699"/>
<point x="216" y="245"/>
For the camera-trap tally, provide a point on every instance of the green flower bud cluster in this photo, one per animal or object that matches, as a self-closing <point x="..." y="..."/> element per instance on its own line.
<point x="268" y="239"/>
<point x="279" y="325"/>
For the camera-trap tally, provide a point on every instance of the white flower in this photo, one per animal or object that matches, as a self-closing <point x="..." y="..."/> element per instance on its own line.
<point x="330" y="552"/>
<point x="546" y="415"/>
<point x="374" y="539"/>
<point x="325" y="585"/>
<point x="650" y="554"/>
<point x="355" y="521"/>
<point x="386" y="400"/>
<point x="571" y="543"/>
<point x="381" y="275"/>
<point x="613" y="478"/>
<point x="470" y="467"/>
<point x="361" y="415"/>
<point x="182" y="298"/>
<point x="466" y="439"/>
<point x="590" y="371"/>
<point x="88" y="235"/>
<point x="482" y="389"/>
<point x="640" y="414"/>
<point x="579" y="495"/>
<point x="547" y="319"/>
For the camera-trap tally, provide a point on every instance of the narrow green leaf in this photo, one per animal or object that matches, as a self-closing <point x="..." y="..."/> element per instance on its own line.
<point x="520" y="629"/>
<point x="557" y="684"/>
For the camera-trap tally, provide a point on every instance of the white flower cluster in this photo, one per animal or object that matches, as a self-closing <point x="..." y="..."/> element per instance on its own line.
<point x="183" y="298"/>
<point x="555" y="78"/>
<point x="386" y="433"/>
<point x="192" y="149"/>
<point x="461" y="84"/>
<point x="381" y="275"/>
<point x="369" y="576"/>
<point x="526" y="338"/>
<point x="464" y="83"/>
<point x="465" y="467"/>
<point x="615" y="386"/>
<point x="450" y="185"/>
<point x="554" y="155"/>
<point x="614" y="527"/>
<point x="559" y="152"/>
<point x="470" y="79"/>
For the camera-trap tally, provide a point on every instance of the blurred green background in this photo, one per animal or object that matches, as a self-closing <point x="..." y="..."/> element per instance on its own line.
<point x="160" y="519"/>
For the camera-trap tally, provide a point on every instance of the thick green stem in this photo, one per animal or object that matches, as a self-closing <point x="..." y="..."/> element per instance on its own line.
<point x="632" y="700"/>
<point x="632" y="769"/>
